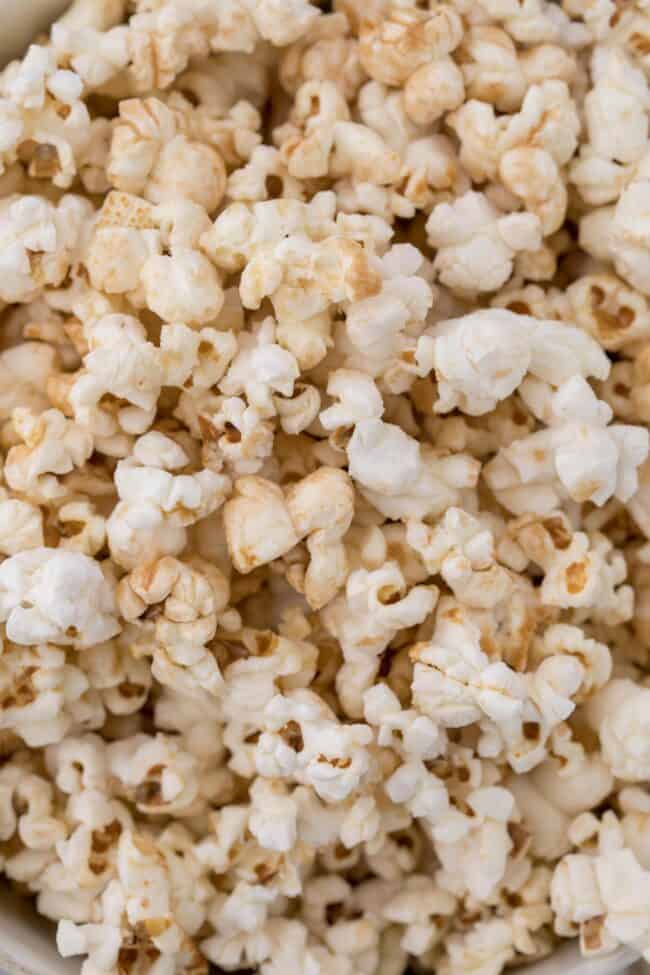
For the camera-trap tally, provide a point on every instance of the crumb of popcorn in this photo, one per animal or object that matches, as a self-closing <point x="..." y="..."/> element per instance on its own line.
<point x="324" y="483"/>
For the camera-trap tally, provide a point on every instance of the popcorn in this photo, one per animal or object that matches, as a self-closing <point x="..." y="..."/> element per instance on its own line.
<point x="364" y="621"/>
<point x="156" y="505"/>
<point x="493" y="72"/>
<point x="262" y="525"/>
<point x="151" y="158"/>
<point x="463" y="554"/>
<point x="303" y="742"/>
<point x="21" y="525"/>
<point x="432" y="90"/>
<point x="332" y="144"/>
<point x="524" y="710"/>
<point x="474" y="849"/>
<point x="321" y="507"/>
<point x="183" y="287"/>
<point x="476" y="244"/>
<point x="325" y="483"/>
<point x="376" y="322"/>
<point x="53" y="446"/>
<point x="24" y="373"/>
<point x="191" y="599"/>
<point x="418" y="907"/>
<point x="423" y="484"/>
<point x="40" y="243"/>
<point x="617" y="714"/>
<point x="551" y="462"/>
<point x="483" y="357"/>
<point x="487" y="944"/>
<point x="358" y="396"/>
<point x="44" y="121"/>
<point x="120" y="362"/>
<point x="617" y="104"/>
<point x="586" y="892"/>
<point x="392" y="47"/>
<point x="258" y="524"/>
<point x="62" y="597"/>
<point x="605" y="308"/>
<point x="328" y="51"/>
<point x="624" y="242"/>
<point x="457" y="692"/>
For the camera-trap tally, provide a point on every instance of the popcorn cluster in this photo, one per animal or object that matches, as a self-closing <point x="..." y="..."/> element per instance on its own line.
<point x="325" y="490"/>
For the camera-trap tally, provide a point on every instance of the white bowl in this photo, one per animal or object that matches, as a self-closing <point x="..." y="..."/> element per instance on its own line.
<point x="26" y="940"/>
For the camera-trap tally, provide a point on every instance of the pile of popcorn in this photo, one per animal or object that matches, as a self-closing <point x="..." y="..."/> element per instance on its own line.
<point x="325" y="501"/>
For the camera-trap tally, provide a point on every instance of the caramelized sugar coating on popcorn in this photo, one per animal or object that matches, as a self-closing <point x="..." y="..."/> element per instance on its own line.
<point x="325" y="485"/>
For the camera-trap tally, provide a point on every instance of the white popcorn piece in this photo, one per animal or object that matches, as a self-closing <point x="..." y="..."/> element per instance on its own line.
<point x="98" y="941"/>
<point x="462" y="551"/>
<point x="57" y="596"/>
<point x="40" y="242"/>
<point x="375" y="606"/>
<point x="418" y="907"/>
<point x="456" y="687"/>
<point x="156" y="773"/>
<point x="52" y="446"/>
<point x="474" y="849"/>
<point x="617" y="105"/>
<point x="321" y="507"/>
<point x="476" y="244"/>
<point x="358" y="396"/>
<point x="574" y="782"/>
<point x="156" y="505"/>
<point x="262" y="524"/>
<point x="624" y="241"/>
<point x="604" y="307"/>
<point x="193" y="599"/>
<point x="44" y="696"/>
<point x="433" y="89"/>
<point x="327" y="51"/>
<point x="578" y="455"/>
<point x="183" y="287"/>
<point x="402" y="730"/>
<point x="488" y="944"/>
<point x="258" y="524"/>
<point x="123" y="237"/>
<point x="305" y="743"/>
<point x="261" y="368"/>
<point x="44" y="120"/>
<point x="24" y="373"/>
<point x="396" y="303"/>
<point x="619" y="715"/>
<point x="242" y="439"/>
<point x="21" y="526"/>
<point x="395" y="45"/>
<point x="122" y="362"/>
<point x="150" y="157"/>
<point x="372" y="452"/>
<point x="493" y="72"/>
<point x="581" y="572"/>
<point x="483" y="357"/>
<point x="421" y="484"/>
<point x="273" y="816"/>
<point x="320" y="140"/>
<point x="195" y="357"/>
<point x="605" y="895"/>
